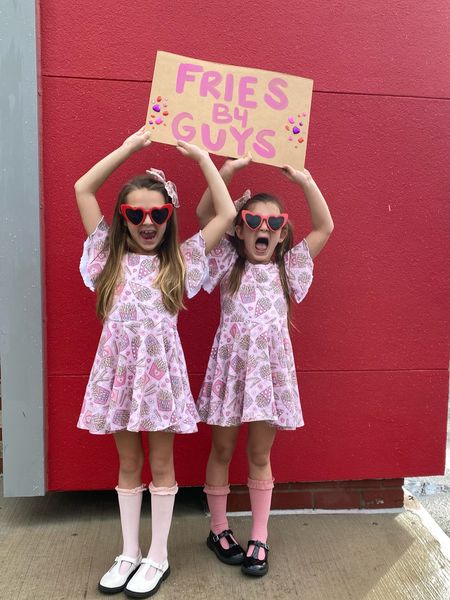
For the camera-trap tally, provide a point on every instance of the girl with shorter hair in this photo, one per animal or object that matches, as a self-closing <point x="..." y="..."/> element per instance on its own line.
<point x="139" y="380"/>
<point x="251" y="371"/>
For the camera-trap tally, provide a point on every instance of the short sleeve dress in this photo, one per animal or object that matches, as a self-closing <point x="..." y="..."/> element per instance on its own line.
<point x="139" y="380"/>
<point x="251" y="371"/>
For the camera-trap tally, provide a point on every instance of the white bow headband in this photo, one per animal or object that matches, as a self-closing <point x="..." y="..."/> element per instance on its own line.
<point x="170" y="187"/>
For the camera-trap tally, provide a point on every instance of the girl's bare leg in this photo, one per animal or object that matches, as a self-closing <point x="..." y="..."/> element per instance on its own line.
<point x="223" y="444"/>
<point x="217" y="487"/>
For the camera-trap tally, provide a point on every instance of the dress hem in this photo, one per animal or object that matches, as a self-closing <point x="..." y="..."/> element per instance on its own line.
<point x="272" y="423"/>
<point x="109" y="432"/>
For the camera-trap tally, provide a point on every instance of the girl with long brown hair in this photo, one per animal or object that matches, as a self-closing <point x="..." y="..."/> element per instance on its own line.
<point x="139" y="379"/>
<point x="251" y="371"/>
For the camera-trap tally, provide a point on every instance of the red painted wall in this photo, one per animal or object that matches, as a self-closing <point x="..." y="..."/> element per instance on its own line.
<point x="371" y="346"/>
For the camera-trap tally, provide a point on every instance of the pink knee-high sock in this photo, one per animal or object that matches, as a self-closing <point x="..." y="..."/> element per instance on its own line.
<point x="163" y="499"/>
<point x="217" y="503"/>
<point x="260" y="499"/>
<point x="130" y="514"/>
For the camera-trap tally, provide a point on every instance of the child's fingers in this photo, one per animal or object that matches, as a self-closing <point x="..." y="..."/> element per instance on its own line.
<point x="139" y="132"/>
<point x="287" y="170"/>
<point x="245" y="157"/>
<point x="146" y="137"/>
<point x="184" y="148"/>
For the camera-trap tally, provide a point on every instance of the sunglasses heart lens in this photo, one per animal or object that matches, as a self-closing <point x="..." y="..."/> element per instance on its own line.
<point x="160" y="215"/>
<point x="135" y="216"/>
<point x="253" y="221"/>
<point x="276" y="223"/>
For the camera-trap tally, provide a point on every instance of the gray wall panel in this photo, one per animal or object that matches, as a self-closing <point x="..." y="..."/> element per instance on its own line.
<point x="21" y="330"/>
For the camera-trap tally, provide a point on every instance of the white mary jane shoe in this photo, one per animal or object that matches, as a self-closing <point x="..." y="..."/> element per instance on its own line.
<point x="113" y="581"/>
<point x="140" y="587"/>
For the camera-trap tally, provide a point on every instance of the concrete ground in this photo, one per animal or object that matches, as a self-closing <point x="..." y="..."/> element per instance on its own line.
<point x="434" y="495"/>
<point x="57" y="547"/>
<point x="434" y="492"/>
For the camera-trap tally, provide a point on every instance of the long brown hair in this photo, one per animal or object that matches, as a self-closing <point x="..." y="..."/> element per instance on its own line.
<point x="172" y="269"/>
<point x="234" y="279"/>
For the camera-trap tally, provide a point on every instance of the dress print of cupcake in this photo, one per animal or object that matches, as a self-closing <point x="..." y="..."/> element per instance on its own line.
<point x="100" y="395"/>
<point x="99" y="422"/>
<point x="247" y="293"/>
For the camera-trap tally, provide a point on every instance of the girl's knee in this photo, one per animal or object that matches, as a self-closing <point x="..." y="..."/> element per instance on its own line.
<point x="222" y="453"/>
<point x="161" y="466"/>
<point x="131" y="462"/>
<point x="259" y="457"/>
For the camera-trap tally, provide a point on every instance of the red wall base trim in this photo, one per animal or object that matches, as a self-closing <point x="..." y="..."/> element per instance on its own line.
<point x="331" y="495"/>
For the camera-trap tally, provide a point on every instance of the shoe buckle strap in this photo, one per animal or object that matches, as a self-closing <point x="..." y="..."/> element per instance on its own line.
<point x="258" y="544"/>
<point x="124" y="558"/>
<point x="225" y="533"/>
<point x="152" y="563"/>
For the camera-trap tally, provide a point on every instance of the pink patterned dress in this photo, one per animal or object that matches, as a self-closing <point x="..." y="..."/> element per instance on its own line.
<point x="139" y="380"/>
<point x="251" y="370"/>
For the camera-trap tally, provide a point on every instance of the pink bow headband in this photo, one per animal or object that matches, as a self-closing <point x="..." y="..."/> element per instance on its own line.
<point x="170" y="187"/>
<point x="238" y="204"/>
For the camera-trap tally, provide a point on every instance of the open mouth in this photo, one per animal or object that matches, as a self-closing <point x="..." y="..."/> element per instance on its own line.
<point x="147" y="234"/>
<point x="261" y="244"/>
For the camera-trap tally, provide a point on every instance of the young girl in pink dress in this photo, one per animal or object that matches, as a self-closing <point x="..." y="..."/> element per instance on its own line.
<point x="251" y="371"/>
<point x="139" y="380"/>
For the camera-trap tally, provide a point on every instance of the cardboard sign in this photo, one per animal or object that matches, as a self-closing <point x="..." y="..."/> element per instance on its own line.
<point x="230" y="110"/>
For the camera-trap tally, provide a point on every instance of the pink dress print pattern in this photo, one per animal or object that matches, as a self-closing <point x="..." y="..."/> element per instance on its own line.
<point x="139" y="380"/>
<point x="251" y="371"/>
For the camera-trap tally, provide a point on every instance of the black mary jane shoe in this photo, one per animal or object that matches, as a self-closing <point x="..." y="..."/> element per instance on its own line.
<point x="234" y="555"/>
<point x="252" y="565"/>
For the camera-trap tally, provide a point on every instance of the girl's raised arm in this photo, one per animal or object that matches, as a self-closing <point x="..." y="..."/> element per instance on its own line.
<point x="87" y="186"/>
<point x="205" y="208"/>
<point x="224" y="211"/>
<point x="320" y="215"/>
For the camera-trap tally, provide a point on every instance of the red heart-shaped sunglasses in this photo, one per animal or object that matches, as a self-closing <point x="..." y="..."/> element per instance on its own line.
<point x="137" y="214"/>
<point x="255" y="221"/>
